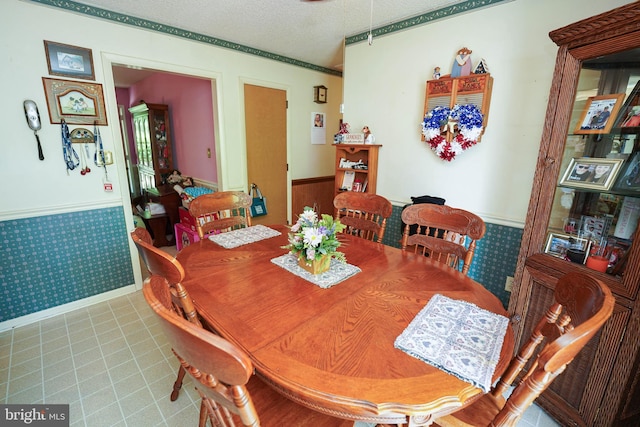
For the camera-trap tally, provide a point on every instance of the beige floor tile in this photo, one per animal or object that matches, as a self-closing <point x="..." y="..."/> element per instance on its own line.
<point x="59" y="383"/>
<point x="113" y="346"/>
<point x="106" y="416"/>
<point x="30" y="394"/>
<point x="69" y="394"/>
<point x="129" y="385"/>
<point x="98" y="399"/>
<point x="187" y="417"/>
<point x="91" y="369"/>
<point x="20" y="368"/>
<point x="26" y="344"/>
<point x="148" y="416"/>
<point x="99" y="381"/>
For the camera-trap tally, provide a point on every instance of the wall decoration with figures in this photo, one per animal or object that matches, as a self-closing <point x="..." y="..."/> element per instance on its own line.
<point x="456" y="106"/>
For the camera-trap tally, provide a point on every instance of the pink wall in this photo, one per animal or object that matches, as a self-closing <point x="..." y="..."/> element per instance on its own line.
<point x="190" y="104"/>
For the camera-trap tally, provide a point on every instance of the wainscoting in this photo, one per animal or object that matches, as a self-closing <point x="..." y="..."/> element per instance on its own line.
<point x="51" y="260"/>
<point x="313" y="192"/>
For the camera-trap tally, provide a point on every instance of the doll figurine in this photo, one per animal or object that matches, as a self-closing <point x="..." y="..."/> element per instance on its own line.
<point x="462" y="63"/>
<point x="436" y="73"/>
<point x="368" y="138"/>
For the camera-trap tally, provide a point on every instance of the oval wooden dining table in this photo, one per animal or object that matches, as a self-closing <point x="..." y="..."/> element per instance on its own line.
<point x="333" y="349"/>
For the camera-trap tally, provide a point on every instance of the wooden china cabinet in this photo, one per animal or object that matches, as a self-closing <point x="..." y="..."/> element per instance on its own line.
<point x="598" y="64"/>
<point x="153" y="139"/>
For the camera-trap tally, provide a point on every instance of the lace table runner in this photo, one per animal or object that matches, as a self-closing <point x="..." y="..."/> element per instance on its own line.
<point x="458" y="337"/>
<point x="338" y="271"/>
<point x="243" y="236"/>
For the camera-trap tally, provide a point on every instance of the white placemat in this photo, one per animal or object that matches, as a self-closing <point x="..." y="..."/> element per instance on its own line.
<point x="338" y="271"/>
<point x="243" y="236"/>
<point x="458" y="337"/>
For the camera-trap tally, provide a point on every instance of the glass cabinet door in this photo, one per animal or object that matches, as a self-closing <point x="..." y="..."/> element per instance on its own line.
<point x="597" y="200"/>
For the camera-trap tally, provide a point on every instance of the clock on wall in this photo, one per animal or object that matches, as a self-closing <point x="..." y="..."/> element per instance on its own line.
<point x="320" y="94"/>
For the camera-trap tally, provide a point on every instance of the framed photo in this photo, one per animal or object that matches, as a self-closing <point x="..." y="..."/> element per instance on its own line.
<point x="558" y="244"/>
<point x="591" y="173"/>
<point x="629" y="179"/>
<point x="69" y="61"/>
<point x="77" y="103"/>
<point x="629" y="116"/>
<point x="599" y="114"/>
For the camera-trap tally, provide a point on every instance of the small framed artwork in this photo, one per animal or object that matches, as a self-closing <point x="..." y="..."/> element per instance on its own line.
<point x="69" y="61"/>
<point x="629" y="179"/>
<point x="558" y="244"/>
<point x="591" y="173"/>
<point x="599" y="113"/>
<point x="77" y="103"/>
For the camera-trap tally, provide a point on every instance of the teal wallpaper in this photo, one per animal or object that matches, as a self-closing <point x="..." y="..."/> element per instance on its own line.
<point x="52" y="260"/>
<point x="495" y="258"/>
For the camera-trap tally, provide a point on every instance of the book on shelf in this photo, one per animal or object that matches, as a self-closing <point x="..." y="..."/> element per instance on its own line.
<point x="347" y="180"/>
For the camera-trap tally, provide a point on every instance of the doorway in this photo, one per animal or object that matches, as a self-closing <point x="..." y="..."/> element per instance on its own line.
<point x="266" y="133"/>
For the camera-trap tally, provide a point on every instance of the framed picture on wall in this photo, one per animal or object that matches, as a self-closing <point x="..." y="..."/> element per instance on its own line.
<point x="591" y="173"/>
<point x="599" y="114"/>
<point x="69" y="61"/>
<point x="77" y="103"/>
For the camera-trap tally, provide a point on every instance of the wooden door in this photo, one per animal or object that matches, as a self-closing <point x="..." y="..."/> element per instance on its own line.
<point x="266" y="130"/>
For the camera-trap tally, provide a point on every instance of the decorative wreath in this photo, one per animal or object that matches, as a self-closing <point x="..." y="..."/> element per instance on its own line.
<point x="466" y="118"/>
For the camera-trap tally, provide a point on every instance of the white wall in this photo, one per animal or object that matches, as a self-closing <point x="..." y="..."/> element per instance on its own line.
<point x="34" y="187"/>
<point x="384" y="88"/>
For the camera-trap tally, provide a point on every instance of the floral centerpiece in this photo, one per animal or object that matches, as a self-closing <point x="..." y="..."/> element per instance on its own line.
<point x="314" y="241"/>
<point x="466" y="119"/>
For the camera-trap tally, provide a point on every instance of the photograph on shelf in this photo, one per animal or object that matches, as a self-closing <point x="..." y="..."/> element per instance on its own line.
<point x="629" y="179"/>
<point x="599" y="114"/>
<point x="77" y="103"/>
<point x="558" y="244"/>
<point x="595" y="228"/>
<point x="629" y="116"/>
<point x="69" y="61"/>
<point x="591" y="173"/>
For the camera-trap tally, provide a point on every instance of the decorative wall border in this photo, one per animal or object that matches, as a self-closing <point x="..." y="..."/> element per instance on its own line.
<point x="174" y="31"/>
<point x="426" y="18"/>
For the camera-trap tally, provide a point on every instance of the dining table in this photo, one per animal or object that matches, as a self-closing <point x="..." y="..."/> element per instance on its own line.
<point x="332" y="349"/>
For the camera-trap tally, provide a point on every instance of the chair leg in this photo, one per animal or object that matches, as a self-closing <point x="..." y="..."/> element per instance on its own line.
<point x="178" y="384"/>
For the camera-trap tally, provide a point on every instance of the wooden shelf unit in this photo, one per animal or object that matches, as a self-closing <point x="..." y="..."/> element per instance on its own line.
<point x="365" y="153"/>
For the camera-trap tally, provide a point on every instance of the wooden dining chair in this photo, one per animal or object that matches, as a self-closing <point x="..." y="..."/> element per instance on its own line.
<point x="162" y="265"/>
<point x="446" y="234"/>
<point x="364" y="214"/>
<point x="224" y="375"/>
<point x="581" y="306"/>
<point x="221" y="211"/>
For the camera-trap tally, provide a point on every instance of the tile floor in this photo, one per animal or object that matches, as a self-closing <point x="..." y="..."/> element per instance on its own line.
<point x="111" y="363"/>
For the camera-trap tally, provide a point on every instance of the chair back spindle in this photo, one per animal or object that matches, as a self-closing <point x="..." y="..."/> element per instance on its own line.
<point x="221" y="211"/>
<point x="446" y="234"/>
<point x="364" y="215"/>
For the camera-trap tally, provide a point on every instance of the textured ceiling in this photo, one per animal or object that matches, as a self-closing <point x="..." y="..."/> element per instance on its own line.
<point x="308" y="31"/>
